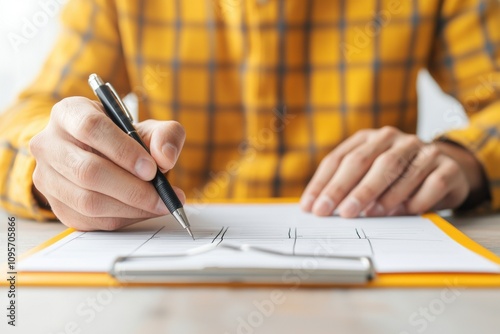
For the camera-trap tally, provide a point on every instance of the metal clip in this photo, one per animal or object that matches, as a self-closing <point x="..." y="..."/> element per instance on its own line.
<point x="120" y="102"/>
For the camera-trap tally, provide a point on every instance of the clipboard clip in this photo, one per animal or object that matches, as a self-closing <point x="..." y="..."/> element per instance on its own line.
<point x="173" y="267"/>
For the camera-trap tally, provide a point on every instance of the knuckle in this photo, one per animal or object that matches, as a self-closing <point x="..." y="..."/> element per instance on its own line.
<point x="62" y="107"/>
<point x="415" y="171"/>
<point x="36" y="144"/>
<point x="366" y="192"/>
<point x="84" y="170"/>
<point x="432" y="151"/>
<point x="68" y="110"/>
<point x="331" y="159"/>
<point x="390" y="160"/>
<point x="37" y="178"/>
<point x="336" y="193"/>
<point x="178" y="129"/>
<point x="357" y="158"/>
<point x="90" y="125"/>
<point x="424" y="159"/>
<point x="439" y="182"/>
<point x="452" y="168"/>
<point x="412" y="141"/>
<point x="88" y="204"/>
<point x="135" y="196"/>
<point x="362" y="132"/>
<point x="388" y="131"/>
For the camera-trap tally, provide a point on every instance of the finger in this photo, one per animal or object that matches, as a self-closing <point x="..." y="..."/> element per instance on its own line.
<point x="73" y="219"/>
<point x="399" y="210"/>
<point x="373" y="210"/>
<point x="455" y="197"/>
<point x="89" y="125"/>
<point x="180" y="194"/>
<point x="415" y="173"/>
<point x="446" y="180"/>
<point x="447" y="202"/>
<point x="351" y="170"/>
<point x="387" y="167"/>
<point x="94" y="173"/>
<point x="328" y="167"/>
<point x="86" y="202"/>
<point x="165" y="140"/>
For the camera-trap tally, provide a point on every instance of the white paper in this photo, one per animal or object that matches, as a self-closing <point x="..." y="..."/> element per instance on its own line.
<point x="396" y="244"/>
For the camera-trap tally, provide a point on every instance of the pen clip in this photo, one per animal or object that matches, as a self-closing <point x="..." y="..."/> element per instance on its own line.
<point x="120" y="102"/>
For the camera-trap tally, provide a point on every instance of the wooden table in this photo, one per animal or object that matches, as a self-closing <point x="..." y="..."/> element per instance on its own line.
<point x="224" y="310"/>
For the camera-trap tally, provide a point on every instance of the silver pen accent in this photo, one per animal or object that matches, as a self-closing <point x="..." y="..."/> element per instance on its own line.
<point x="181" y="217"/>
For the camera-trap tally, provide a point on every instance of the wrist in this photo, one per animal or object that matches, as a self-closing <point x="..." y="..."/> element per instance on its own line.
<point x="473" y="170"/>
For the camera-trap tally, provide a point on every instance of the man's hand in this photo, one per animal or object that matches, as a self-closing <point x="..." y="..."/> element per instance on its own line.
<point x="387" y="172"/>
<point x="93" y="175"/>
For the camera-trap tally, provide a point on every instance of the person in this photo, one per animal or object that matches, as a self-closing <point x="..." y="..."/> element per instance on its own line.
<point x="276" y="98"/>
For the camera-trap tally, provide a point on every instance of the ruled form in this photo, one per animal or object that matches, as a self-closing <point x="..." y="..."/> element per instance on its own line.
<point x="395" y="244"/>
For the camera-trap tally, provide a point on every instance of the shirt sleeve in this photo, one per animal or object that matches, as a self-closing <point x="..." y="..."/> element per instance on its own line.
<point x="89" y="42"/>
<point x="466" y="64"/>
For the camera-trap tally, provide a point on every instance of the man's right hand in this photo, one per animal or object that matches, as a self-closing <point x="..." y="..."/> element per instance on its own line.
<point x="93" y="175"/>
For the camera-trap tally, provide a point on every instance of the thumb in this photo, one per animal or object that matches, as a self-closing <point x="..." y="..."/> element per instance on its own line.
<point x="164" y="139"/>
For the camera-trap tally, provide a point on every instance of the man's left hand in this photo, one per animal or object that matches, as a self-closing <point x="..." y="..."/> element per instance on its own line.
<point x="387" y="172"/>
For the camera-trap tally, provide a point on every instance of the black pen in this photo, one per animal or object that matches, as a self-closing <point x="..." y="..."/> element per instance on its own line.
<point x="119" y="114"/>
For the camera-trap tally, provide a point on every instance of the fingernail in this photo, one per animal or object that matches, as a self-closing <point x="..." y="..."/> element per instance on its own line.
<point x="323" y="206"/>
<point x="145" y="168"/>
<point x="307" y="201"/>
<point x="161" y="208"/>
<point x="170" y="152"/>
<point x="350" y="207"/>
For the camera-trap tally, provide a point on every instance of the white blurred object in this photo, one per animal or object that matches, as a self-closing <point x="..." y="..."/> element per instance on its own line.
<point x="437" y="112"/>
<point x="28" y="29"/>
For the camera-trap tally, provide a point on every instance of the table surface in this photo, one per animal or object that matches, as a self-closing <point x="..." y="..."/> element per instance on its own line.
<point x="252" y="310"/>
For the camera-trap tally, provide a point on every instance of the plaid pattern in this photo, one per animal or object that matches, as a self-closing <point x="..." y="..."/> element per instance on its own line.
<point x="265" y="88"/>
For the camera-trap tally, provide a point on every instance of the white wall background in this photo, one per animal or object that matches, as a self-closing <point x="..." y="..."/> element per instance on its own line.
<point x="19" y="65"/>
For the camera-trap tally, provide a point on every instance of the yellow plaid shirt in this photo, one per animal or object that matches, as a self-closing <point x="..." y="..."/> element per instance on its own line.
<point x="265" y="88"/>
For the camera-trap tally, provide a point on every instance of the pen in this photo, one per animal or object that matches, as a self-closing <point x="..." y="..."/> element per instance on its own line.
<point x="119" y="114"/>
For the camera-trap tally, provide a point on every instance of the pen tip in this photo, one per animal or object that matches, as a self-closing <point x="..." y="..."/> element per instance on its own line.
<point x="181" y="217"/>
<point x="190" y="233"/>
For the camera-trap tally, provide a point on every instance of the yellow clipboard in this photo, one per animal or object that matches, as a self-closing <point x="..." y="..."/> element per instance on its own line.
<point x="404" y="280"/>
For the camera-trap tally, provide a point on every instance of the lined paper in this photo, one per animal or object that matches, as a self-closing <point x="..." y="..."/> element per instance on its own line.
<point x="396" y="244"/>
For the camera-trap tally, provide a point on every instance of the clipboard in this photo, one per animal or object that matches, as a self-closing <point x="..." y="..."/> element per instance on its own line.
<point x="371" y="280"/>
<point x="123" y="269"/>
